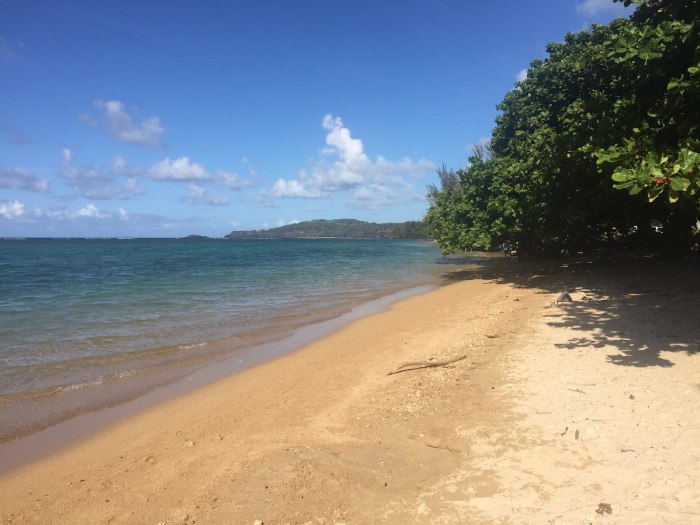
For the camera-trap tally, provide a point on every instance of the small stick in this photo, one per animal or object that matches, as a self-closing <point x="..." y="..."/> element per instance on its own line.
<point x="425" y="364"/>
<point x="442" y="447"/>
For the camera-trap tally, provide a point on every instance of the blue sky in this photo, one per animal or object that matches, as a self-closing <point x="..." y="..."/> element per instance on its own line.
<point x="169" y="118"/>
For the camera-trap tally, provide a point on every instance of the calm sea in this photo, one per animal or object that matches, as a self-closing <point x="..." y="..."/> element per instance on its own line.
<point x="77" y="315"/>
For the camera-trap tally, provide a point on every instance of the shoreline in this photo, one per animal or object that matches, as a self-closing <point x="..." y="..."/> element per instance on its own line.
<point x="39" y="443"/>
<point x="30" y="413"/>
<point x="554" y="413"/>
<point x="104" y="339"/>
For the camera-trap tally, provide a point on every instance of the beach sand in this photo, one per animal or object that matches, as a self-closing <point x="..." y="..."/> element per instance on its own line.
<point x="582" y="412"/>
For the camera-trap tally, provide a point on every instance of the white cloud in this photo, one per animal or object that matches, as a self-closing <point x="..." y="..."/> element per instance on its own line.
<point x="344" y="165"/>
<point x="123" y="214"/>
<point x="181" y="169"/>
<point x="11" y="209"/>
<point x="232" y="181"/>
<point x="282" y="222"/>
<point x="122" y="127"/>
<point x="196" y="192"/>
<point x="373" y="197"/>
<point x="293" y="189"/>
<point x="522" y="75"/>
<point x="91" y="182"/>
<point x="21" y="179"/>
<point x="92" y="211"/>
<point x="119" y="164"/>
<point x="594" y="7"/>
<point x="87" y="119"/>
<point x="67" y="156"/>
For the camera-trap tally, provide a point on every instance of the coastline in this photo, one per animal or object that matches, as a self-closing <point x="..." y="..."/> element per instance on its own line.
<point x="324" y="435"/>
<point x="42" y="442"/>
<point x="120" y="342"/>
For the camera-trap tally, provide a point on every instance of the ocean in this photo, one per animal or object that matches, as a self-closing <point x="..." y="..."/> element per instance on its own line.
<point x="86" y="323"/>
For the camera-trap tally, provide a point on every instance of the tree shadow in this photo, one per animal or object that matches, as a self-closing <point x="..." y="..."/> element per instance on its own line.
<point x="640" y="306"/>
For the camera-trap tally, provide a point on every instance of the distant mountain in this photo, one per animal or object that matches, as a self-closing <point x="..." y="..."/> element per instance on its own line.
<point x="195" y="238"/>
<point x="339" y="228"/>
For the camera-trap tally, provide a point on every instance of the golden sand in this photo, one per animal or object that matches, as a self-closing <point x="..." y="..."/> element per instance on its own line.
<point x="515" y="409"/>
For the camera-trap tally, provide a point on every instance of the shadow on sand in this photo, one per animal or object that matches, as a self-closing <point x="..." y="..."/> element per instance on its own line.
<point x="642" y="306"/>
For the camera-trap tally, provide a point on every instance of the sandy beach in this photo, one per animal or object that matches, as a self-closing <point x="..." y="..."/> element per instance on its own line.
<point x="484" y="401"/>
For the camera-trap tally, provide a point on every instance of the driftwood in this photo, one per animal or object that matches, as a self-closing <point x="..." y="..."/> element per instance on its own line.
<point x="442" y="447"/>
<point x="417" y="365"/>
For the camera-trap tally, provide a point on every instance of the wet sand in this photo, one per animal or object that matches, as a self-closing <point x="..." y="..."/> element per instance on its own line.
<point x="584" y="412"/>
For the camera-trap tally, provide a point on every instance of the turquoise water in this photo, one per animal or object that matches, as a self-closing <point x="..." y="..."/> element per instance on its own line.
<point x="78" y="313"/>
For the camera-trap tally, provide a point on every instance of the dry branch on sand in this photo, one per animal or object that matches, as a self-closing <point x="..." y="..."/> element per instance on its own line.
<point x="417" y="365"/>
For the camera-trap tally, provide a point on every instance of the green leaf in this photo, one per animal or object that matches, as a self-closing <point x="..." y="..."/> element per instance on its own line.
<point x="672" y="196"/>
<point x="636" y="188"/>
<point x="624" y="185"/>
<point x="654" y="192"/>
<point x="651" y="50"/>
<point x="679" y="184"/>
<point x="620" y="176"/>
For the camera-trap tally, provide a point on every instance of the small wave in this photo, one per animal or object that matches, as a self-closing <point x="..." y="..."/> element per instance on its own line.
<point x="97" y="381"/>
<point x="72" y="387"/>
<point x="190" y="347"/>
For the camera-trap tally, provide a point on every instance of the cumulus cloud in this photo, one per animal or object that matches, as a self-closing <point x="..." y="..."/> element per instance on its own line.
<point x="198" y="193"/>
<point x="87" y="119"/>
<point x="21" y="179"/>
<point x="232" y="181"/>
<point x="119" y="164"/>
<point x="90" y="181"/>
<point x="522" y="75"/>
<point x="595" y="7"/>
<point x="92" y="211"/>
<point x="344" y="165"/>
<point x="181" y="169"/>
<point x="11" y="209"/>
<point x="294" y="189"/>
<point x="121" y="124"/>
<point x="372" y="197"/>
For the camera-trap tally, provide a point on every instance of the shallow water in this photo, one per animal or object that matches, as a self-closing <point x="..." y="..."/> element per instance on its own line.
<point x="118" y="317"/>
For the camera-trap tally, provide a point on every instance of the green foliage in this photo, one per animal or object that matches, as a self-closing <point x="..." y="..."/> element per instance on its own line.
<point x="339" y="228"/>
<point x="659" y="152"/>
<point x="475" y="207"/>
<point x="617" y="102"/>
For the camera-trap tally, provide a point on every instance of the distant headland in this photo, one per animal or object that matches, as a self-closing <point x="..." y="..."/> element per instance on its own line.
<point x="339" y="228"/>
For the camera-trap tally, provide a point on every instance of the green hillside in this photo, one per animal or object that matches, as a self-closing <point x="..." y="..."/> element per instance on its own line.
<point x="339" y="228"/>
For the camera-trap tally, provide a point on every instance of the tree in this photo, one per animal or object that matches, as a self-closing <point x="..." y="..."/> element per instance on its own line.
<point x="617" y="101"/>
<point x="659" y="153"/>
<point x="474" y="207"/>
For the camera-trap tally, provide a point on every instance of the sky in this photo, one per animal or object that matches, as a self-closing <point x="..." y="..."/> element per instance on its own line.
<point x="171" y="118"/>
